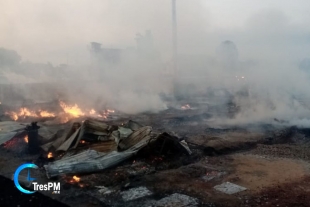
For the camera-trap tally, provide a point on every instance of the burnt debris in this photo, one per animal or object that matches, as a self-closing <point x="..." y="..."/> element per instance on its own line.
<point x="33" y="142"/>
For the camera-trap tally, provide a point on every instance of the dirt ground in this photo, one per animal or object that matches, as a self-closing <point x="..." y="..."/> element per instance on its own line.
<point x="261" y="176"/>
<point x="257" y="172"/>
<point x="274" y="174"/>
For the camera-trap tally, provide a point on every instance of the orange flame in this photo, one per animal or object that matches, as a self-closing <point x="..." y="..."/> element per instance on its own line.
<point x="12" y="115"/>
<point x="69" y="111"/>
<point x="49" y="155"/>
<point x="74" y="110"/>
<point x="25" y="112"/>
<point x="46" y="114"/>
<point x="76" y="178"/>
<point x="26" y="138"/>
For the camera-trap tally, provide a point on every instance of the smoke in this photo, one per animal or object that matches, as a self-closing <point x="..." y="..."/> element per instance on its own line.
<point x="253" y="57"/>
<point x="267" y="92"/>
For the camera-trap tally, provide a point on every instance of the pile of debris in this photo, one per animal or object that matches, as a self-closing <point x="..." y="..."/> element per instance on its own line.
<point x="92" y="145"/>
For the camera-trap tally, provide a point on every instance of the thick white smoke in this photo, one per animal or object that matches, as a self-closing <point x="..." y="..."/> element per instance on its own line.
<point x="258" y="69"/>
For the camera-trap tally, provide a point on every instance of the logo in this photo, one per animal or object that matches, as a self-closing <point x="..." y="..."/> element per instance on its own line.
<point x="36" y="187"/>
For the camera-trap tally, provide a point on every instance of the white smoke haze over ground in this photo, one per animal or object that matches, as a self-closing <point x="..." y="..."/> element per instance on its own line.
<point x="271" y="39"/>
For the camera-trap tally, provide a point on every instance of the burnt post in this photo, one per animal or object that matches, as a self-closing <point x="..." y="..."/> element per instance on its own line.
<point x="33" y="141"/>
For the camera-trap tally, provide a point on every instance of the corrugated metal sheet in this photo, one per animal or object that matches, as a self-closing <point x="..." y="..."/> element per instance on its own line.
<point x="120" y="145"/>
<point x="84" y="163"/>
<point x="88" y="165"/>
<point x="9" y="129"/>
<point x="134" y="138"/>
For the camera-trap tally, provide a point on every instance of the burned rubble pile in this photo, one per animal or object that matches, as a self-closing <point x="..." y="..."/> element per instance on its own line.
<point x="111" y="145"/>
<point x="113" y="162"/>
<point x="92" y="146"/>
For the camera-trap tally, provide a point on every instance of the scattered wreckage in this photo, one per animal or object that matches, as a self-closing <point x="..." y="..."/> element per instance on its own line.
<point x="92" y="145"/>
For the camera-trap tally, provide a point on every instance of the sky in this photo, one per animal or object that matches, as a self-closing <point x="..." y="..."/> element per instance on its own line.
<point x="59" y="31"/>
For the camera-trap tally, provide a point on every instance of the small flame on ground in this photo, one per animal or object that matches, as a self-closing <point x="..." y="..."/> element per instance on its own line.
<point x="49" y="155"/>
<point x="26" y="138"/>
<point x="76" y="178"/>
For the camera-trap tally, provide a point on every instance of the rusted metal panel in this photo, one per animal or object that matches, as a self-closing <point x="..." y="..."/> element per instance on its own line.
<point x="134" y="138"/>
<point x="106" y="146"/>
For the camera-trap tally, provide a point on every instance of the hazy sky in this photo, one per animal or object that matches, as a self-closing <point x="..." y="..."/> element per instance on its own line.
<point x="59" y="31"/>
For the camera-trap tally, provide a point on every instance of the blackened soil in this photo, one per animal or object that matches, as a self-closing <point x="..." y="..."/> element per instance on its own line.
<point x="11" y="196"/>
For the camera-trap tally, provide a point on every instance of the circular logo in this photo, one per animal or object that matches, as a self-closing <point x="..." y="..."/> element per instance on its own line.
<point x="16" y="174"/>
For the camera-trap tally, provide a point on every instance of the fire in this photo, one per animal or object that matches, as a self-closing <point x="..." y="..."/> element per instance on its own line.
<point x="49" y="155"/>
<point x="25" y="112"/>
<point x="73" y="110"/>
<point x="46" y="114"/>
<point x="69" y="111"/>
<point x="92" y="112"/>
<point x="26" y="138"/>
<point x="104" y="114"/>
<point x="12" y="115"/>
<point x="185" y="107"/>
<point x="76" y="178"/>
